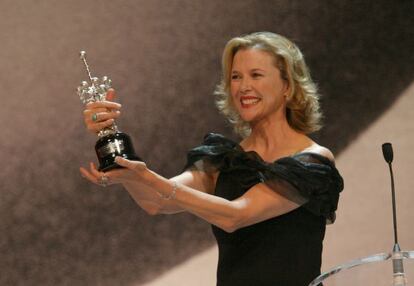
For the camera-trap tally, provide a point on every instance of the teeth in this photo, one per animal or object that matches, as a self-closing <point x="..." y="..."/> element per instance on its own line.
<point x="250" y="101"/>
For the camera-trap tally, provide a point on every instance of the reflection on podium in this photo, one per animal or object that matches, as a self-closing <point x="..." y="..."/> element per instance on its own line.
<point x="373" y="270"/>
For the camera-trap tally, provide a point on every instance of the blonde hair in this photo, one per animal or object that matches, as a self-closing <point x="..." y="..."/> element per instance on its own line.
<point x="302" y="110"/>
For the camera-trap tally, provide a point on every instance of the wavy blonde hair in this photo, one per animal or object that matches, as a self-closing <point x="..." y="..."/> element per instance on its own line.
<point x="302" y="110"/>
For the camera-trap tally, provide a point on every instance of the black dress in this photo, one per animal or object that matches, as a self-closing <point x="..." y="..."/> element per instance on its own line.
<point x="285" y="250"/>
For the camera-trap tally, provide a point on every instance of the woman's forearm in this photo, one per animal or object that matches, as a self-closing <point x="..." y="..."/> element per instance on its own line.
<point x="150" y="200"/>
<point x="216" y="210"/>
<point x="152" y="191"/>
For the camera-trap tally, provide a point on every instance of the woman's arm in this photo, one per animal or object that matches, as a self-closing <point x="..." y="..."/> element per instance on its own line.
<point x="148" y="198"/>
<point x="154" y="203"/>
<point x="258" y="204"/>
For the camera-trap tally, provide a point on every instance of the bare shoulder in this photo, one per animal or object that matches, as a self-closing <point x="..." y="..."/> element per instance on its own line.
<point x="321" y="150"/>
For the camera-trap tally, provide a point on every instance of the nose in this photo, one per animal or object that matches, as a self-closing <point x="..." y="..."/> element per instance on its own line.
<point x="245" y="85"/>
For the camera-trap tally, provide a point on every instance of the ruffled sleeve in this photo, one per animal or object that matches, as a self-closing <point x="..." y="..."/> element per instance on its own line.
<point x="307" y="179"/>
<point x="212" y="154"/>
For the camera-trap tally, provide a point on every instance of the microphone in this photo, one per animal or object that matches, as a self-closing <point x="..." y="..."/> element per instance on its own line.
<point x="387" y="152"/>
<point x="397" y="257"/>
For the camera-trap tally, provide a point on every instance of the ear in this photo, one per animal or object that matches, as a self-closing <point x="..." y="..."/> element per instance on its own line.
<point x="286" y="92"/>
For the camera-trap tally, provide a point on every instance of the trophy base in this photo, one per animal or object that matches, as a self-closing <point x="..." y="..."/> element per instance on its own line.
<point x="112" y="145"/>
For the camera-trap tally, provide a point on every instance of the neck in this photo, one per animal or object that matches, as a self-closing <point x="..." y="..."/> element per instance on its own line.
<point x="272" y="134"/>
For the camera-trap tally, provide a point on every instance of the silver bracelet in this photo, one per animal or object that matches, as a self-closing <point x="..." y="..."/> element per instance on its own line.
<point x="171" y="196"/>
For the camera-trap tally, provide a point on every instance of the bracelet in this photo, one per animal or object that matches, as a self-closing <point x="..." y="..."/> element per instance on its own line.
<point x="171" y="196"/>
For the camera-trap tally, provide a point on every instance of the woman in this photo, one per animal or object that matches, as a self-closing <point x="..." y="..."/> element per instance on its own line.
<point x="268" y="197"/>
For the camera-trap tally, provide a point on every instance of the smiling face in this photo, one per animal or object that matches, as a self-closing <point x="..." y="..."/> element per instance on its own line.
<point x="257" y="89"/>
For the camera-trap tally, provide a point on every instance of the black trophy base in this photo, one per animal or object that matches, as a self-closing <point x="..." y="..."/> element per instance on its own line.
<point x="112" y="145"/>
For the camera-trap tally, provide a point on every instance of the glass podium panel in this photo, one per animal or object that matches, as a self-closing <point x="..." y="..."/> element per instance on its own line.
<point x="373" y="270"/>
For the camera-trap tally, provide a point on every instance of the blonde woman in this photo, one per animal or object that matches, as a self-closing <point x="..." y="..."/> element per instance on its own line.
<point x="268" y="197"/>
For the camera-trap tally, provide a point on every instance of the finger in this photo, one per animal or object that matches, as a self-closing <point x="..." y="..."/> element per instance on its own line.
<point x="89" y="111"/>
<point x="88" y="175"/>
<point x="93" y="115"/>
<point x="110" y="94"/>
<point x="96" y="127"/>
<point x="101" y="178"/>
<point x="94" y="171"/>
<point x="97" y="108"/>
<point x="103" y="104"/>
<point x="132" y="165"/>
<point x="117" y="176"/>
<point x="101" y="116"/>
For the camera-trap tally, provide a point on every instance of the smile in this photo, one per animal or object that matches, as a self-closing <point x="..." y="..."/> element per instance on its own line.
<point x="249" y="101"/>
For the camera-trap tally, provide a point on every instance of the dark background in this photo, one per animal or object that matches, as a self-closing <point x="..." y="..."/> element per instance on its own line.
<point x="164" y="60"/>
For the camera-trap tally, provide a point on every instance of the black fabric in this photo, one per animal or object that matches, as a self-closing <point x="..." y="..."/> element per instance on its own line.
<point x="285" y="250"/>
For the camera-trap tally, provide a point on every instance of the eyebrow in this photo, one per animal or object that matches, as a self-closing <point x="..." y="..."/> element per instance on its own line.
<point x="253" y="70"/>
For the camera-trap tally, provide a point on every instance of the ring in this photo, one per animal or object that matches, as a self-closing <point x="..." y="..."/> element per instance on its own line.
<point x="94" y="117"/>
<point x="103" y="180"/>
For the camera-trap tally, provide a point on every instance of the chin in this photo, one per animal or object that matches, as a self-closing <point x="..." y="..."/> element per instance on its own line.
<point x="248" y="118"/>
<point x="249" y="114"/>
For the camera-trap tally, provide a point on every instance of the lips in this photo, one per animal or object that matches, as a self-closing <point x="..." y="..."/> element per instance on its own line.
<point x="249" y="101"/>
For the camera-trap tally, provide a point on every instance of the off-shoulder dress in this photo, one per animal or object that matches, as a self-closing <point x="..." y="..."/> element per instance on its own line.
<point x="284" y="250"/>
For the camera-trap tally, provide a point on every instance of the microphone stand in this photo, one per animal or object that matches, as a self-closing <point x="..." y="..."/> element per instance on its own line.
<point x="397" y="256"/>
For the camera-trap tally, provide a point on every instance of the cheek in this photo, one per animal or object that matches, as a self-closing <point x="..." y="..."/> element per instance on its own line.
<point x="233" y="89"/>
<point x="276" y="89"/>
<point x="232" y="100"/>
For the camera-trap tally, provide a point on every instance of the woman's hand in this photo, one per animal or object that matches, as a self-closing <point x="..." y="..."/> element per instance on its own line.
<point x="101" y="114"/>
<point x="133" y="172"/>
<point x="138" y="181"/>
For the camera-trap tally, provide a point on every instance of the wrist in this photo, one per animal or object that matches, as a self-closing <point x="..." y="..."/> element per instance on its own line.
<point x="166" y="188"/>
<point x="172" y="194"/>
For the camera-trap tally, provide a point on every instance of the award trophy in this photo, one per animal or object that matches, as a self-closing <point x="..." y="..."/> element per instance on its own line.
<point x="111" y="141"/>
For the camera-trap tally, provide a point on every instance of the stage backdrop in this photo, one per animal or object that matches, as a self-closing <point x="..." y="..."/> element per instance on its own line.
<point x="164" y="59"/>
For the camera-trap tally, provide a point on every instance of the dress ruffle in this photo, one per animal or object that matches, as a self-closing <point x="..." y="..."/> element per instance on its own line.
<point x="308" y="179"/>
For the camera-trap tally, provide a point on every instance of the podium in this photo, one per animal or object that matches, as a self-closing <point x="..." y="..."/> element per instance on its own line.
<point x="373" y="270"/>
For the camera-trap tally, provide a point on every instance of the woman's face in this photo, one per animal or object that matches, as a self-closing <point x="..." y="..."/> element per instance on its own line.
<point x="257" y="89"/>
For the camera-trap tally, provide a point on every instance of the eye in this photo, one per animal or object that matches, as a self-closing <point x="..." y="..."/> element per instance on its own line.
<point x="256" y="75"/>
<point x="235" y="76"/>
